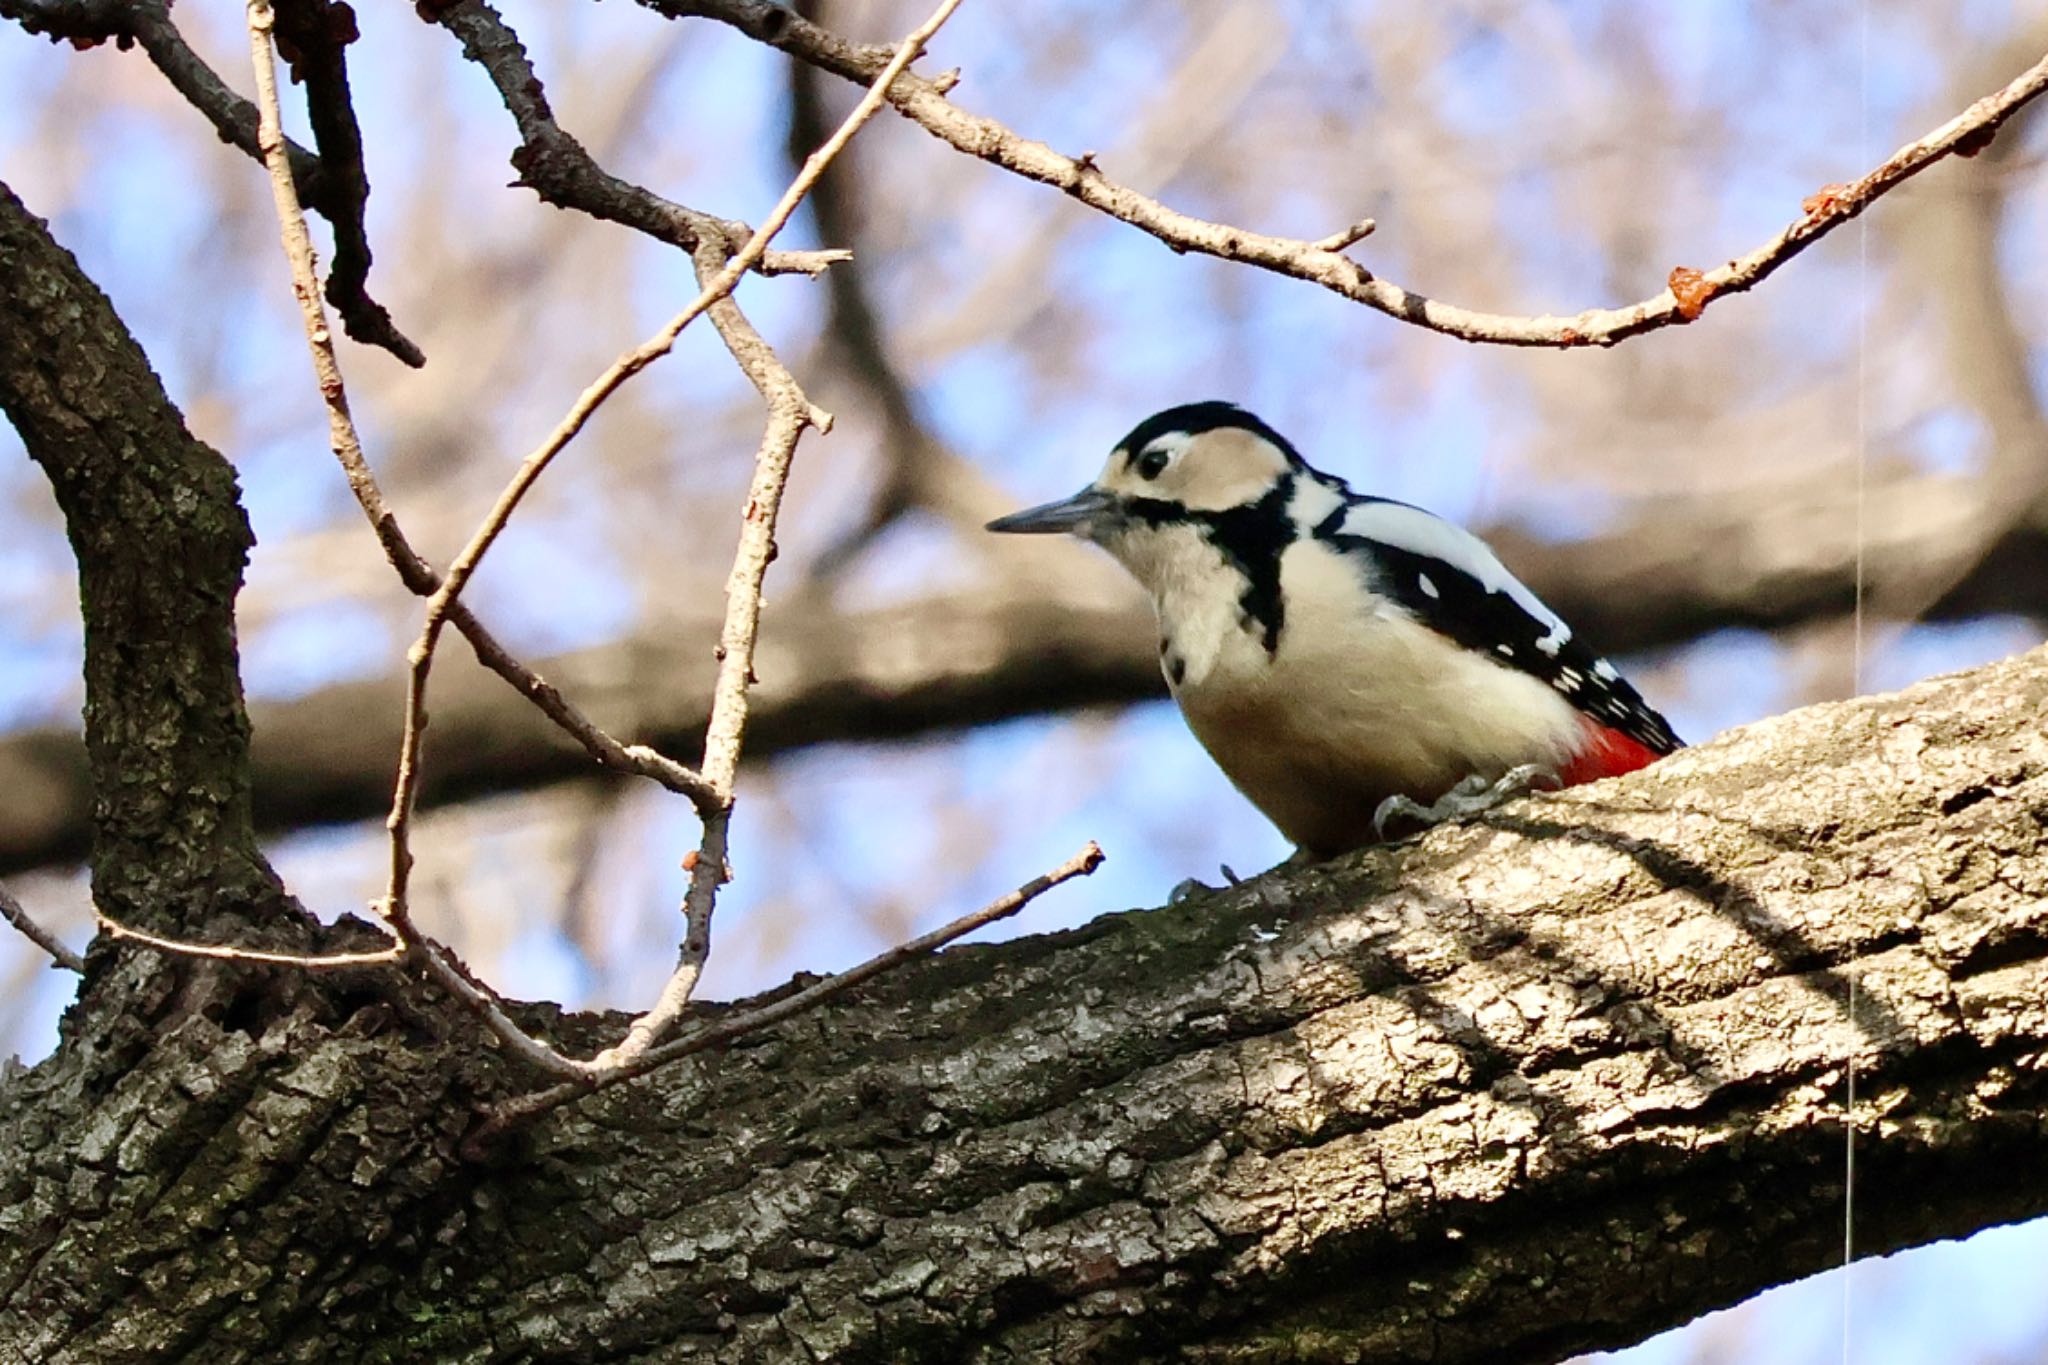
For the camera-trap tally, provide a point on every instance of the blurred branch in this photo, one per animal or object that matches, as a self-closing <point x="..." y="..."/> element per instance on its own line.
<point x="825" y="676"/>
<point x="918" y="471"/>
<point x="1953" y="240"/>
<point x="17" y="915"/>
<point x="925" y="103"/>
<point x="1766" y="559"/>
<point x="557" y="167"/>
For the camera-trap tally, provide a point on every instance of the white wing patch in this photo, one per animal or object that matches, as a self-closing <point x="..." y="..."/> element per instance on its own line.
<point x="1423" y="533"/>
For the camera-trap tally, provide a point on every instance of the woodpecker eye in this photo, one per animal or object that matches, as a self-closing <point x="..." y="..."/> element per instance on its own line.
<point x="1151" y="463"/>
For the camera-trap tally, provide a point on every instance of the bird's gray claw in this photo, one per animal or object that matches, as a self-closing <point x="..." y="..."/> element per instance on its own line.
<point x="1470" y="796"/>
<point x="1190" y="887"/>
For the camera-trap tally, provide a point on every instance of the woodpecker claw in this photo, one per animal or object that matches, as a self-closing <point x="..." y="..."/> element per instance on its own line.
<point x="1189" y="887"/>
<point x="1470" y="796"/>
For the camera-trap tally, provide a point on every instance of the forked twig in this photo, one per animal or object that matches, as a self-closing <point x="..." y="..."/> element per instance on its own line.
<point x="774" y="1012"/>
<point x="790" y="414"/>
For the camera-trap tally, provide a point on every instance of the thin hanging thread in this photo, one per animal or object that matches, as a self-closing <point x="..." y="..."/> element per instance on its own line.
<point x="1856" y="658"/>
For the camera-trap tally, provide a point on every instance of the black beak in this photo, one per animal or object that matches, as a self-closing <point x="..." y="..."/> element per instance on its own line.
<point x="1077" y="514"/>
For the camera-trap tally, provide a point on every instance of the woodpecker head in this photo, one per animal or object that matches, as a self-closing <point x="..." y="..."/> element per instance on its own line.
<point x="1179" y="467"/>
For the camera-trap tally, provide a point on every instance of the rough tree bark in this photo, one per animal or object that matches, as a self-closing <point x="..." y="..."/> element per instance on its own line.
<point x="1554" y="1079"/>
<point x="1547" y="1082"/>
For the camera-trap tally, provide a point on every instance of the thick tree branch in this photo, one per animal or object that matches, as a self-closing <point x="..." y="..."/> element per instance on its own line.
<point x="1548" y="1081"/>
<point x="156" y="522"/>
<point x="925" y="103"/>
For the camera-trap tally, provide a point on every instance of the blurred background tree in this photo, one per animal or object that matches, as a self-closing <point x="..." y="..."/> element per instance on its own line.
<point x="1690" y="496"/>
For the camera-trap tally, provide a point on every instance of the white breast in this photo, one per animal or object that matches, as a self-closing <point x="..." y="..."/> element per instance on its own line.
<point x="1359" y="702"/>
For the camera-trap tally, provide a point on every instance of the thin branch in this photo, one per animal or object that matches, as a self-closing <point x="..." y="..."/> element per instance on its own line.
<point x="925" y="104"/>
<point x="230" y="953"/>
<point x="348" y="449"/>
<point x="417" y="575"/>
<point x="17" y="915"/>
<point x="1350" y="236"/>
<point x="789" y="1006"/>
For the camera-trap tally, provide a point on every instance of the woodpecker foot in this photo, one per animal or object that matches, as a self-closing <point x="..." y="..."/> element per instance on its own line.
<point x="1190" y="888"/>
<point x="1471" y="796"/>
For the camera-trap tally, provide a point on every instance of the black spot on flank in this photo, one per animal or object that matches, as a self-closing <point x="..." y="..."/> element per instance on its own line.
<point x="1192" y="419"/>
<point x="1176" y="669"/>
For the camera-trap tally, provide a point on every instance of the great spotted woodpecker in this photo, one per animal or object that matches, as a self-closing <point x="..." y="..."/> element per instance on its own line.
<point x="1345" y="659"/>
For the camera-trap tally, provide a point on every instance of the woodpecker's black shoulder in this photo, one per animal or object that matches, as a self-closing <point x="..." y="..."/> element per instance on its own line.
<point x="1448" y="580"/>
<point x="1192" y="419"/>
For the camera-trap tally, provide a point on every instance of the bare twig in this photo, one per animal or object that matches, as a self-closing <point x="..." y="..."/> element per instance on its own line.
<point x="789" y="1006"/>
<point x="348" y="448"/>
<point x="925" y="104"/>
<point x="230" y="953"/>
<point x="414" y="571"/>
<point x="1350" y="236"/>
<point x="17" y="915"/>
